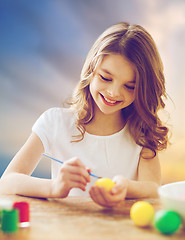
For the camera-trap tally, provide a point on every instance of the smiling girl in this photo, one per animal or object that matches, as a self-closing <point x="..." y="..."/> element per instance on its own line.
<point x="112" y="126"/>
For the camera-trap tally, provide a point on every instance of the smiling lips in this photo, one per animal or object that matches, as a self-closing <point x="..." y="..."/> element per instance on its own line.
<point x="108" y="101"/>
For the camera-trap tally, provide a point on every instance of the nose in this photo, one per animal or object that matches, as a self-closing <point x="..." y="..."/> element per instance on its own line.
<point x="113" y="91"/>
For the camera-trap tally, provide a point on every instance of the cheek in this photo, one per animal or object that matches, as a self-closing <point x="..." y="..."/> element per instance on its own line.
<point x="132" y="97"/>
<point x="95" y="85"/>
<point x="129" y="96"/>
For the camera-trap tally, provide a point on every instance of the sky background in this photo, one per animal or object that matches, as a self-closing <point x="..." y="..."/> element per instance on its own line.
<point x="43" y="45"/>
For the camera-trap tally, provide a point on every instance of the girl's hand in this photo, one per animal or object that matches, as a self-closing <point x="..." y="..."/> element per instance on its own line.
<point x="112" y="198"/>
<point x="73" y="174"/>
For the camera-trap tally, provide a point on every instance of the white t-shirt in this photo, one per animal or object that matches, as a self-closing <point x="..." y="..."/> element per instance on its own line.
<point x="106" y="156"/>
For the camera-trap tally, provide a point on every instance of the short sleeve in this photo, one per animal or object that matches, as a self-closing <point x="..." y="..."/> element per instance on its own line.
<point x="43" y="127"/>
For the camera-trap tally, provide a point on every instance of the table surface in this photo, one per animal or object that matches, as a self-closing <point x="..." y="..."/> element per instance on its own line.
<point x="80" y="218"/>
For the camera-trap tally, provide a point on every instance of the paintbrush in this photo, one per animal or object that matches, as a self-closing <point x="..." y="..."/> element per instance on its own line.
<point x="54" y="159"/>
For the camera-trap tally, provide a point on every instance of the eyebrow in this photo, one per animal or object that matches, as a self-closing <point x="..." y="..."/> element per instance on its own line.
<point x="106" y="71"/>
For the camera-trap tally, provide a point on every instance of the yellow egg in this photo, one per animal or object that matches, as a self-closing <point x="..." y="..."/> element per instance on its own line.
<point x="107" y="183"/>
<point x="142" y="213"/>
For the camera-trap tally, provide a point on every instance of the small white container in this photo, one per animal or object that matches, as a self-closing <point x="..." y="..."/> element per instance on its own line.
<point x="172" y="196"/>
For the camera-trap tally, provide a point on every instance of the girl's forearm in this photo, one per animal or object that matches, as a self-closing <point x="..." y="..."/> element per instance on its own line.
<point x="18" y="183"/>
<point x="142" y="189"/>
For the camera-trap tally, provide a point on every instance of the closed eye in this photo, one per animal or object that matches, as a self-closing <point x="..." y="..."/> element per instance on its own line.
<point x="130" y="87"/>
<point x="105" y="79"/>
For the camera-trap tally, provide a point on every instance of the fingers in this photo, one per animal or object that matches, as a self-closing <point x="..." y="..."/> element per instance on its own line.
<point x="110" y="199"/>
<point x="120" y="186"/>
<point x="78" y="181"/>
<point x="104" y="198"/>
<point x="69" y="184"/>
<point x="97" y="197"/>
<point x="73" y="174"/>
<point x="75" y="167"/>
<point x="62" y="187"/>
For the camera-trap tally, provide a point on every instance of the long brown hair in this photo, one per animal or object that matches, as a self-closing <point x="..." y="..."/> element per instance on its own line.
<point x="137" y="45"/>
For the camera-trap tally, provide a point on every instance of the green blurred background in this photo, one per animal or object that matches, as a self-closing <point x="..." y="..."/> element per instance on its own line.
<point x="43" y="45"/>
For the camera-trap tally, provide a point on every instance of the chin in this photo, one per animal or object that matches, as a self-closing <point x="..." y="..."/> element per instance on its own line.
<point x="109" y="112"/>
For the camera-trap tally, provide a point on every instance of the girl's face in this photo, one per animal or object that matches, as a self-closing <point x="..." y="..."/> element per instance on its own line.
<point x="112" y="86"/>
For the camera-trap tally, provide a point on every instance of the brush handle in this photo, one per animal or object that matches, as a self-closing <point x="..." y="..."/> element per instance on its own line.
<point x="44" y="154"/>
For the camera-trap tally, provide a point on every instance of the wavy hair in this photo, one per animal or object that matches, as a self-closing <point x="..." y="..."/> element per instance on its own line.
<point x="137" y="45"/>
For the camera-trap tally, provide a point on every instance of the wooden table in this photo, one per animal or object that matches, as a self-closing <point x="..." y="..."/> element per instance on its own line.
<point x="80" y="218"/>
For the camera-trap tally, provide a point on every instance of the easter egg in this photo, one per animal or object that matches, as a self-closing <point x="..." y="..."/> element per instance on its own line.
<point x="167" y="222"/>
<point x="107" y="183"/>
<point x="142" y="213"/>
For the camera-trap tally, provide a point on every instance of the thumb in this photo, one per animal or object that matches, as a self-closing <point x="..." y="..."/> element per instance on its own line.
<point x="120" y="184"/>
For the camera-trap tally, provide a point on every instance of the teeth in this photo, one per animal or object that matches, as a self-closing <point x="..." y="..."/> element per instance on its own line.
<point x="110" y="101"/>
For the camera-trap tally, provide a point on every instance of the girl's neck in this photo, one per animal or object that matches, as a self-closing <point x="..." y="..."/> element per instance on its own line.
<point x="104" y="125"/>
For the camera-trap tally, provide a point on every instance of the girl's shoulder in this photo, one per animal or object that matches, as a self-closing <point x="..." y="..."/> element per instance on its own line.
<point x="56" y="118"/>
<point x="57" y="112"/>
